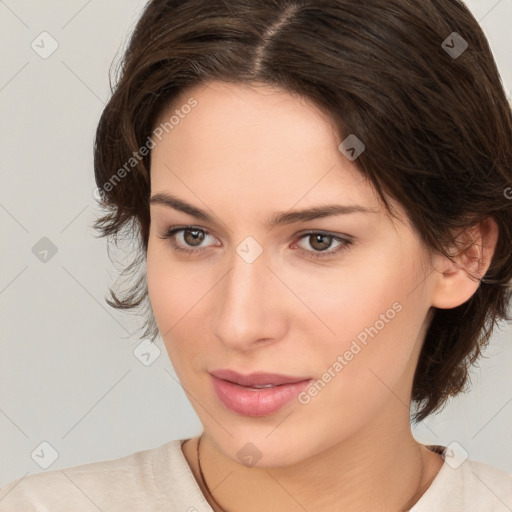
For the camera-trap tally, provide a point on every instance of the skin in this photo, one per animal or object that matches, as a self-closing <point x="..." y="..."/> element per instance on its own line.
<point x="242" y="154"/>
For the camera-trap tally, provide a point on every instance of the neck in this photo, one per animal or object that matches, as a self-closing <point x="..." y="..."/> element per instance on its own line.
<point x="376" y="468"/>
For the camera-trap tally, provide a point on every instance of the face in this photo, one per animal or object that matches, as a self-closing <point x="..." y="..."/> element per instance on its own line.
<point x="340" y="299"/>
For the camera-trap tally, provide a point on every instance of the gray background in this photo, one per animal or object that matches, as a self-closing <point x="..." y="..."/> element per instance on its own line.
<point x="68" y="373"/>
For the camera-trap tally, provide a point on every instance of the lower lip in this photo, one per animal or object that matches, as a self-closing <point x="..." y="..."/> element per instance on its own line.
<point x="256" y="402"/>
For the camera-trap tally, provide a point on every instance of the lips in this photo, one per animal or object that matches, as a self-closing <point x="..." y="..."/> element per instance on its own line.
<point x="257" y="380"/>
<point x="256" y="394"/>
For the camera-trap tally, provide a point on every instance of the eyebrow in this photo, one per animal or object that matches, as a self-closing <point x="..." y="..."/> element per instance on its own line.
<point x="280" y="218"/>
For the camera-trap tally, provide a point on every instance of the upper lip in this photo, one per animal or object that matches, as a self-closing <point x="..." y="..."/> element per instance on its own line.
<point x="257" y="378"/>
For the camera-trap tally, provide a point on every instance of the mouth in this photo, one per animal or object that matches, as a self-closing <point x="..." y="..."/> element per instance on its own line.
<point x="257" y="380"/>
<point x="257" y="394"/>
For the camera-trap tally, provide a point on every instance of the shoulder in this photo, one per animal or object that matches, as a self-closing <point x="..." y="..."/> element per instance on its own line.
<point x="103" y="485"/>
<point x="472" y="486"/>
<point x="486" y="487"/>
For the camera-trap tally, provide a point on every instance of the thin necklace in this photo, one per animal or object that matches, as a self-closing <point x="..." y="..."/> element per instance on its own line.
<point x="407" y="507"/>
<point x="224" y="510"/>
<point x="202" y="476"/>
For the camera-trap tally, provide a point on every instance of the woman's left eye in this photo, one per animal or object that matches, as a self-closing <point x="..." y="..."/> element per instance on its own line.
<point x="319" y="241"/>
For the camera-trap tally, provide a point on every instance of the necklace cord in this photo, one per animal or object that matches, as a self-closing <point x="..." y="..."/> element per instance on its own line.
<point x="203" y="480"/>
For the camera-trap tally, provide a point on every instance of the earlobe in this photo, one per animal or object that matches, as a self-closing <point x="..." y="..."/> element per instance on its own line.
<point x="456" y="281"/>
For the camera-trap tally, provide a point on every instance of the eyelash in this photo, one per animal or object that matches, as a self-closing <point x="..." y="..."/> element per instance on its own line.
<point x="345" y="242"/>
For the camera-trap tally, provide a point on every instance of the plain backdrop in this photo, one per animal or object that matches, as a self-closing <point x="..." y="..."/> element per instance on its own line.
<point x="72" y="390"/>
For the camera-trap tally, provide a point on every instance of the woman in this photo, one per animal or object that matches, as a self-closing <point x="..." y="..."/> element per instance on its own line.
<point x="320" y="192"/>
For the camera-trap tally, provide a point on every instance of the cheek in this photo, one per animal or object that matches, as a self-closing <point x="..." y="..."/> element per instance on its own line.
<point x="157" y="279"/>
<point x="171" y="288"/>
<point x="167" y="290"/>
<point x="361" y="294"/>
<point x="377" y="324"/>
<point x="177" y="297"/>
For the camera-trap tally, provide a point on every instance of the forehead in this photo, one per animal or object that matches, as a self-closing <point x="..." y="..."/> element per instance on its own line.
<point x="263" y="148"/>
<point x="245" y="120"/>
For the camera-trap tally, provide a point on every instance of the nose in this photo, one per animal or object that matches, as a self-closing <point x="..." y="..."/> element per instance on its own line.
<point x="249" y="305"/>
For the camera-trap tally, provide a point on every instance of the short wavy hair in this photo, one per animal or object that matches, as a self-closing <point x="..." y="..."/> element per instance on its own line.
<point x="416" y="81"/>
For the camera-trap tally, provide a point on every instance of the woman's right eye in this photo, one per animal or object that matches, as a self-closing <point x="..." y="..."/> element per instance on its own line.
<point x="190" y="237"/>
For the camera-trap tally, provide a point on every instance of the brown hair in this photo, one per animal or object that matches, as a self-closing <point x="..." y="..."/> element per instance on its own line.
<point x="436" y="125"/>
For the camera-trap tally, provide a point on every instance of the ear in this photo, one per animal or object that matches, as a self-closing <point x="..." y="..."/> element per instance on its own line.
<point x="458" y="280"/>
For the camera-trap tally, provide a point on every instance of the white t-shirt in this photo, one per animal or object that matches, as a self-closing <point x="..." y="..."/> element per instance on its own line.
<point x="160" y="480"/>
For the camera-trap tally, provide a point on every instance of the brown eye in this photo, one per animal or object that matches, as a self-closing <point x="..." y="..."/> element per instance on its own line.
<point x="183" y="239"/>
<point x="193" y="237"/>
<point x="320" y="242"/>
